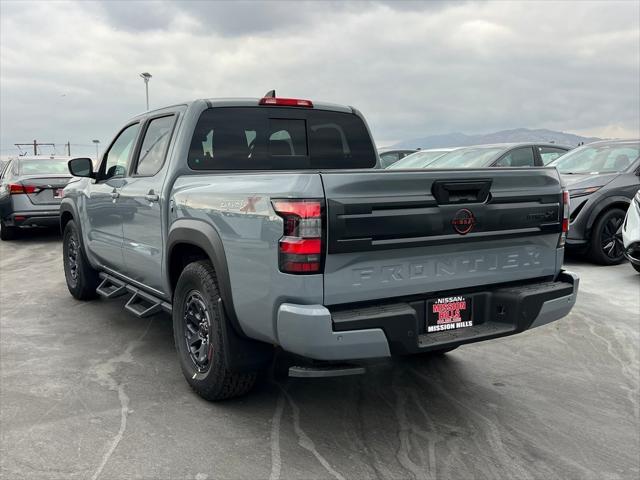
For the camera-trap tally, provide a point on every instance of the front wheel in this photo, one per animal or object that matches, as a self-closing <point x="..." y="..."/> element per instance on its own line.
<point x="606" y="240"/>
<point x="198" y="336"/>
<point x="637" y="267"/>
<point x="82" y="279"/>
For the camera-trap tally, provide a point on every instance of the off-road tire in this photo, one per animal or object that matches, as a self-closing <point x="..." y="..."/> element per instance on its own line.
<point x="217" y="382"/>
<point x="596" y="252"/>
<point x="7" y="233"/>
<point x="83" y="285"/>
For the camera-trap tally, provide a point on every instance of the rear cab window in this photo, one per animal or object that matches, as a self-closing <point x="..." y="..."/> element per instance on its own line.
<point x="279" y="138"/>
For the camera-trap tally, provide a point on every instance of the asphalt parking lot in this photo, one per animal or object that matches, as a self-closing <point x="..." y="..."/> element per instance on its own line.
<point x="88" y="391"/>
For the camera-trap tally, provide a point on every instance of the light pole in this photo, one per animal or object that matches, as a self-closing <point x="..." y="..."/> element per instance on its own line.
<point x="146" y="76"/>
<point x="97" y="142"/>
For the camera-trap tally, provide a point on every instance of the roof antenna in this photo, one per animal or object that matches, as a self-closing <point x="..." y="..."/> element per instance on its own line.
<point x="270" y="94"/>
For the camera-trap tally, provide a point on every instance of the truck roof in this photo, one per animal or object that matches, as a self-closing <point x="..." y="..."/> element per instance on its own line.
<point x="246" y="102"/>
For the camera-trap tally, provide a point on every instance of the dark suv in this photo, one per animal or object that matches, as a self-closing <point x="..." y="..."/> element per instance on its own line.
<point x="602" y="179"/>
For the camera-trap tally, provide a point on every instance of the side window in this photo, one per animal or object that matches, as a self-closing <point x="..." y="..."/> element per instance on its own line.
<point x="116" y="160"/>
<point x="520" y="157"/>
<point x="549" y="154"/>
<point x="390" y="158"/>
<point x="155" y="145"/>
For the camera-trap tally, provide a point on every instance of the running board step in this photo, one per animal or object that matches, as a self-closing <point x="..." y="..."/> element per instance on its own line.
<point x="141" y="303"/>
<point x="111" y="287"/>
<point x="326" y="371"/>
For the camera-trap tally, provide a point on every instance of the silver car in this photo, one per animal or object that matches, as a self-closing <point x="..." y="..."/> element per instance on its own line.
<point x="419" y="159"/>
<point x="631" y="233"/>
<point x="30" y="193"/>
<point x="501" y="155"/>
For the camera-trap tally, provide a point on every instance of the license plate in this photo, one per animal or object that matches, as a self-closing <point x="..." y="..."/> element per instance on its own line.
<point x="449" y="313"/>
<point x="57" y="193"/>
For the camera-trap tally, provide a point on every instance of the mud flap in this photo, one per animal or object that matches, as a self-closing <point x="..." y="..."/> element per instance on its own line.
<point x="242" y="354"/>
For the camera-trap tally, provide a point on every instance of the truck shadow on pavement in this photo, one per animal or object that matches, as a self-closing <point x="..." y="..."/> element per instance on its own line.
<point x="461" y="415"/>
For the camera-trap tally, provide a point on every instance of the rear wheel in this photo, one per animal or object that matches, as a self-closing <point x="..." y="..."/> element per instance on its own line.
<point x="198" y="336"/>
<point x="606" y="239"/>
<point x="6" y="232"/>
<point x="82" y="279"/>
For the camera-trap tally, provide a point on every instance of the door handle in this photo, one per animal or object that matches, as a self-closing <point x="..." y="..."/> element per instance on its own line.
<point x="152" y="197"/>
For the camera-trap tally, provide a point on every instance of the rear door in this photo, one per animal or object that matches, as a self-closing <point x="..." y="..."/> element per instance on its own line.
<point x="398" y="233"/>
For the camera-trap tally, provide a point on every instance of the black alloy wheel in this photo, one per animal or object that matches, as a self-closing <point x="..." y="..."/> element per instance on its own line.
<point x="82" y="279"/>
<point x="611" y="239"/>
<point x="72" y="251"/>
<point x="606" y="247"/>
<point x="197" y="331"/>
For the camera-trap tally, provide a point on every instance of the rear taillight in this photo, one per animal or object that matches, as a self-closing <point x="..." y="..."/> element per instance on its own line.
<point x="17" y="188"/>
<point x="286" y="102"/>
<point x="565" y="217"/>
<point x="300" y="248"/>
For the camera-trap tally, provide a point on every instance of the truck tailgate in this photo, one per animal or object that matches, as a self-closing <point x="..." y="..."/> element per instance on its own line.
<point x="397" y="233"/>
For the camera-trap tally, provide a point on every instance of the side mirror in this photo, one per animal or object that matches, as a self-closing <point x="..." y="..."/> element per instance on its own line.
<point x="81" y="167"/>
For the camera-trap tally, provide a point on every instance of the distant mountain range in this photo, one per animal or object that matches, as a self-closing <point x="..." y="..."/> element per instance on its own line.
<point x="504" y="136"/>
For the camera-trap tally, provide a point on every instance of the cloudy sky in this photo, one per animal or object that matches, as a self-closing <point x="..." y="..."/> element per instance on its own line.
<point x="69" y="70"/>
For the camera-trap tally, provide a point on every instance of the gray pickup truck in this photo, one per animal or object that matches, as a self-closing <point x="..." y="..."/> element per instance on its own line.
<point x="265" y="223"/>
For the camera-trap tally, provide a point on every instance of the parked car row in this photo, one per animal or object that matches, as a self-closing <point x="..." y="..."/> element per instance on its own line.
<point x="602" y="178"/>
<point x="481" y="156"/>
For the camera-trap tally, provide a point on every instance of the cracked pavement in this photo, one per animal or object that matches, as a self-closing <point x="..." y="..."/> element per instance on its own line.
<point x="88" y="391"/>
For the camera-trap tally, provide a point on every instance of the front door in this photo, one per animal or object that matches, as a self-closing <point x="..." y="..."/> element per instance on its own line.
<point x="142" y="226"/>
<point x="104" y="211"/>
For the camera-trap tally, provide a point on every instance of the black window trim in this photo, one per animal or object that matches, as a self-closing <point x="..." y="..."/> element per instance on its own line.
<point x="100" y="172"/>
<point x="143" y="132"/>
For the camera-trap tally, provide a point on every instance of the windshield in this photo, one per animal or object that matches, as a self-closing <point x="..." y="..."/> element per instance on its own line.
<point x="46" y="166"/>
<point x="418" y="159"/>
<point x="598" y="158"/>
<point x="467" y="158"/>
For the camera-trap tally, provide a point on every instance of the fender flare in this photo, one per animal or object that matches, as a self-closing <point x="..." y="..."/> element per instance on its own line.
<point x="201" y="234"/>
<point x="242" y="353"/>
<point x="67" y="206"/>
<point x="602" y="206"/>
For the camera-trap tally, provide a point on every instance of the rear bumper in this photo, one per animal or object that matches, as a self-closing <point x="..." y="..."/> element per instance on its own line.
<point x="384" y="329"/>
<point x="34" y="218"/>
